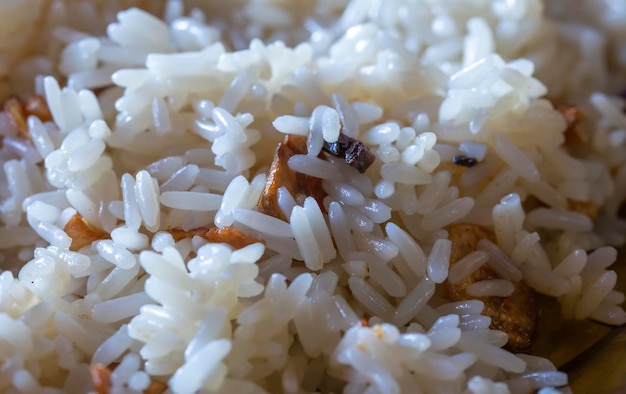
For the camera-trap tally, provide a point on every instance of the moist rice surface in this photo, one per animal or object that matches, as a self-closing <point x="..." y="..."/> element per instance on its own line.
<point x="178" y="213"/>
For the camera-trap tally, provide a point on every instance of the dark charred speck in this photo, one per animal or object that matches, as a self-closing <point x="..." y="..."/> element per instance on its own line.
<point x="464" y="161"/>
<point x="354" y="152"/>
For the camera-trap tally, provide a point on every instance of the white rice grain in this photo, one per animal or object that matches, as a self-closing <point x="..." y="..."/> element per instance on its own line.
<point x="466" y="266"/>
<point x="439" y="260"/>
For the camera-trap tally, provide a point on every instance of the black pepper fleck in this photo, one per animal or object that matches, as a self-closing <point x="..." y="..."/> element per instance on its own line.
<point x="464" y="161"/>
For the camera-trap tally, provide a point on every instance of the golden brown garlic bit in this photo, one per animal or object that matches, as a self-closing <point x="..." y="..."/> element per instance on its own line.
<point x="587" y="208"/>
<point x="18" y="111"/>
<point x="572" y="116"/>
<point x="517" y="314"/>
<point x="228" y="235"/>
<point x="299" y="185"/>
<point x="101" y="379"/>
<point x="82" y="233"/>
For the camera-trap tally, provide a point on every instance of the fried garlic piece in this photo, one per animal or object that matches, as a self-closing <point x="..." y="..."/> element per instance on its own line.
<point x="82" y="233"/>
<point x="517" y="314"/>
<point x="101" y="379"/>
<point x="228" y="235"/>
<point x="299" y="185"/>
<point x="18" y="111"/>
<point x="572" y="116"/>
<point x="587" y="208"/>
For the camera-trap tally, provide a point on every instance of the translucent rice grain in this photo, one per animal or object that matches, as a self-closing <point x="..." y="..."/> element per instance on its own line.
<point x="609" y="314"/>
<point x="190" y="201"/>
<point x="116" y="254"/>
<point x="139" y="381"/>
<point x="491" y="287"/>
<point x="515" y="158"/>
<point x="161" y="119"/>
<point x="55" y="102"/>
<point x="320" y="229"/>
<point x="469" y="307"/>
<point x="433" y="192"/>
<point x="598" y="260"/>
<point x="466" y="266"/>
<point x="263" y="223"/>
<point x="313" y="166"/>
<point x="545" y="282"/>
<point x="315" y="140"/>
<point x="447" y="214"/>
<point x="439" y="260"/>
<point x="492" y="337"/>
<point x="410" y="250"/>
<point x="508" y="218"/>
<point x="388" y="154"/>
<point x="524" y="247"/>
<point x="285" y="200"/>
<point x="499" y="261"/>
<point x="555" y="219"/>
<point x="288" y="124"/>
<point x="345" y="193"/>
<point x="305" y="238"/>
<point x="229" y="125"/>
<point x="190" y="377"/>
<point x="132" y="215"/>
<point x="384" y="189"/>
<point x="237" y="90"/>
<point x="376" y="210"/>
<point x="54" y="235"/>
<point x="41" y="211"/>
<point x="594" y="293"/>
<point x="181" y="180"/>
<point x="209" y="330"/>
<point x="493" y="355"/>
<point x="572" y="264"/>
<point x="71" y="107"/>
<point x="113" y="347"/>
<point x="340" y="230"/>
<point x="347" y="115"/>
<point x="615" y="297"/>
<point x="403" y="173"/>
<point x="498" y="187"/>
<point x="371" y="299"/>
<point x="382" y="134"/>
<point x="349" y="317"/>
<point x="41" y="139"/>
<point x="413" y="302"/>
<point x="119" y="308"/>
<point x="25" y="382"/>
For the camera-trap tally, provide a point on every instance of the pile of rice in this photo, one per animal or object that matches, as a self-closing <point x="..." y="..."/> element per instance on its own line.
<point x="168" y="118"/>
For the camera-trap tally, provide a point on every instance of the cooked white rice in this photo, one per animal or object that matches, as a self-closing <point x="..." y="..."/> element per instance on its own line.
<point x="167" y="116"/>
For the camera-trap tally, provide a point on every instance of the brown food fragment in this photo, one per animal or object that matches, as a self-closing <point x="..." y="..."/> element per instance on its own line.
<point x="101" y="378"/>
<point x="587" y="208"/>
<point x="228" y="235"/>
<point x="18" y="111"/>
<point x="299" y="185"/>
<point x="572" y="115"/>
<point x="156" y="387"/>
<point x="36" y="105"/>
<point x="517" y="314"/>
<point x="82" y="233"/>
<point x="355" y="153"/>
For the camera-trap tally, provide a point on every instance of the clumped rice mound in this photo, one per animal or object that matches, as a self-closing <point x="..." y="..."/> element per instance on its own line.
<point x="304" y="196"/>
